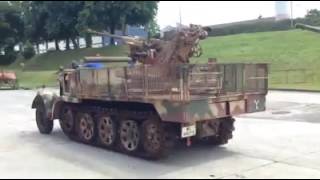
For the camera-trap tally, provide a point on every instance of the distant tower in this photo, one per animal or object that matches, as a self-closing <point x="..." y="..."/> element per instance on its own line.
<point x="282" y="10"/>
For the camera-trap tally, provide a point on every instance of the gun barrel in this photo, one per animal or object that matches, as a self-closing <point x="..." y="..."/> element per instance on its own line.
<point x="308" y="27"/>
<point x="105" y="34"/>
<point x="126" y="39"/>
<point x="107" y="59"/>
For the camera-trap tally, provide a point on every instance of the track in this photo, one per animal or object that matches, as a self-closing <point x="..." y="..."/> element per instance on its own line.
<point x="115" y="130"/>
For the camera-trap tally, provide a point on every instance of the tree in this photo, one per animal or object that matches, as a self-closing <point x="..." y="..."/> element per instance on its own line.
<point x="153" y="29"/>
<point x="62" y="20"/>
<point x="52" y="20"/>
<point x="87" y="19"/>
<point x="11" y="30"/>
<point x="67" y="20"/>
<point x="35" y="17"/>
<point x="313" y="17"/>
<point x="112" y="15"/>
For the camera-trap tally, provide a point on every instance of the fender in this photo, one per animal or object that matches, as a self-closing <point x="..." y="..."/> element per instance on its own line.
<point x="50" y="101"/>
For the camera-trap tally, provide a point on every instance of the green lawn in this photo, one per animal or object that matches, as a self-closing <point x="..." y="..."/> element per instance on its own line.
<point x="36" y="79"/>
<point x="282" y="49"/>
<point x="293" y="49"/>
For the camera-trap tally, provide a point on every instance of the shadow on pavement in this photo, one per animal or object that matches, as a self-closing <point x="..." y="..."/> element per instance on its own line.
<point x="115" y="164"/>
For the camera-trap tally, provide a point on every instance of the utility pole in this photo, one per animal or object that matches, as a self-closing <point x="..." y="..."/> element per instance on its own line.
<point x="180" y="18"/>
<point x="291" y="6"/>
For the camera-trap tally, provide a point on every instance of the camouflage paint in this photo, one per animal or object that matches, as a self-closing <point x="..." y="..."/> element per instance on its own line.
<point x="171" y="95"/>
<point x="191" y="111"/>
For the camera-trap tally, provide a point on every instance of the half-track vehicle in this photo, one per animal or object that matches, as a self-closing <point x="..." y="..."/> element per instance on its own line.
<point x="159" y="99"/>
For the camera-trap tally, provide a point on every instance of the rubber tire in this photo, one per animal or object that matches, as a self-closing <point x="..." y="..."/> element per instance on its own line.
<point x="44" y="124"/>
<point x="67" y="132"/>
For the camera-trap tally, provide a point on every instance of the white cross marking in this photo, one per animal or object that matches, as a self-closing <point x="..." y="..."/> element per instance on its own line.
<point x="256" y="102"/>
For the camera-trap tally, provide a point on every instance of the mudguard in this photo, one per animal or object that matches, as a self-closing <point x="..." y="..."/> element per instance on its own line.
<point x="50" y="101"/>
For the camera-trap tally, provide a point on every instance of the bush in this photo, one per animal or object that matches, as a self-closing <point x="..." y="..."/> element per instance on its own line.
<point x="259" y="25"/>
<point x="8" y="58"/>
<point x="28" y="51"/>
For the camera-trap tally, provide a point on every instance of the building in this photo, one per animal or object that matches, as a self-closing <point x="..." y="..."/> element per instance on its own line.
<point x="282" y="10"/>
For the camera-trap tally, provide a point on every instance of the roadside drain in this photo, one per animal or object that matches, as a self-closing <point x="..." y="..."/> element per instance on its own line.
<point x="281" y="112"/>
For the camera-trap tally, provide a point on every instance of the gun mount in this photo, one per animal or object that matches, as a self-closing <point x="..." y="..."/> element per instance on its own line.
<point x="179" y="49"/>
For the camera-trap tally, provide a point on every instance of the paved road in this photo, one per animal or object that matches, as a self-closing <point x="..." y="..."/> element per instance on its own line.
<point x="282" y="142"/>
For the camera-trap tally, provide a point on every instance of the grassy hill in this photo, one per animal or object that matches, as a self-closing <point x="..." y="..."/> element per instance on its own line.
<point x="53" y="60"/>
<point x="282" y="49"/>
<point x="42" y="69"/>
<point x="295" y="49"/>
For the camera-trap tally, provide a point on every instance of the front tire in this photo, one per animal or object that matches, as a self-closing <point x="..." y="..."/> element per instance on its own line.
<point x="67" y="121"/>
<point x="44" y="124"/>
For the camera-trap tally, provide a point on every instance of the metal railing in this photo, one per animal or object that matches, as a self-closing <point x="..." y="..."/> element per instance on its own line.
<point x="180" y="82"/>
<point x="293" y="76"/>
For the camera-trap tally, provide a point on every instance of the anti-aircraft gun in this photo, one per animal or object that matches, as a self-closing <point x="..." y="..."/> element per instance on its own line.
<point x="183" y="44"/>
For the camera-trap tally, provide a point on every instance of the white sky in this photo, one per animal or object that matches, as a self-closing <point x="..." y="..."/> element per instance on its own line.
<point x="217" y="12"/>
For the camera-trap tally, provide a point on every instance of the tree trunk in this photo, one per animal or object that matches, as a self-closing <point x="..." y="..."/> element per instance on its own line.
<point x="124" y="27"/>
<point x="88" y="40"/>
<point x="75" y="44"/>
<point x="78" y="42"/>
<point x="112" y="31"/>
<point x="67" y="44"/>
<point x="21" y="47"/>
<point x="47" y="46"/>
<point x="56" y="42"/>
<point x="38" y="48"/>
<point x="103" y="39"/>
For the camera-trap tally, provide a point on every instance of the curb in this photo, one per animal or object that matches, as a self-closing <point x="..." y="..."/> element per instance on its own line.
<point x="295" y="90"/>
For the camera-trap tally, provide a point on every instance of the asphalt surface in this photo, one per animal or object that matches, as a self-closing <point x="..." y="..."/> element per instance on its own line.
<point x="282" y="142"/>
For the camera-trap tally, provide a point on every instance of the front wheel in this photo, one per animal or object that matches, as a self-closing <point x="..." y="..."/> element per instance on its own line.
<point x="44" y="124"/>
<point x="67" y="121"/>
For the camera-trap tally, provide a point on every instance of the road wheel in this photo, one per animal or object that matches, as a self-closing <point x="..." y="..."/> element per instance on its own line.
<point x="226" y="129"/>
<point x="107" y="130"/>
<point x="129" y="136"/>
<point x="154" y="139"/>
<point x="85" y="128"/>
<point x="45" y="125"/>
<point x="67" y="121"/>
